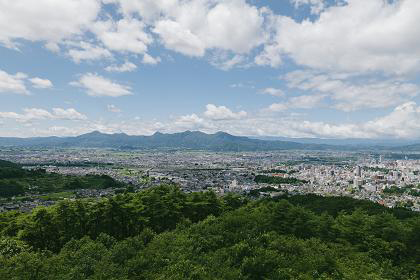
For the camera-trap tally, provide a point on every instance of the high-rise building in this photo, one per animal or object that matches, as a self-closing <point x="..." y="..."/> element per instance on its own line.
<point x="358" y="171"/>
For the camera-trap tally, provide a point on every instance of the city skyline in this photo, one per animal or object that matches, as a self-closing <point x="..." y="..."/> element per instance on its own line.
<point x="293" y="68"/>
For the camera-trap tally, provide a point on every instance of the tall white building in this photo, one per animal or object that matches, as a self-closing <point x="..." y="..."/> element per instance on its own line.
<point x="358" y="171"/>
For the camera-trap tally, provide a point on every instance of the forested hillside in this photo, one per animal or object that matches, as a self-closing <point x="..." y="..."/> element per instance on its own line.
<point x="163" y="233"/>
<point x="16" y="181"/>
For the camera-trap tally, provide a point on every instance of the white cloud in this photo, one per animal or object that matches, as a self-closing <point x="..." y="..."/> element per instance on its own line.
<point x="125" y="35"/>
<point x="45" y="20"/>
<point x="190" y="122"/>
<point x="68" y="114"/>
<point x="351" y="36"/>
<point x="12" y="83"/>
<point x="177" y="38"/>
<point x="148" y="10"/>
<point x="41" y="83"/>
<point x="112" y="108"/>
<point x="31" y="114"/>
<point x="96" y="85"/>
<point x="222" y="113"/>
<point x="305" y="101"/>
<point x="353" y="93"/>
<point x="298" y="102"/>
<point x="269" y="56"/>
<point x="125" y="67"/>
<point x="148" y="59"/>
<point x="402" y="122"/>
<point x="87" y="51"/>
<point x="278" y="107"/>
<point x="192" y="27"/>
<point x="233" y="25"/>
<point x="228" y="63"/>
<point x="361" y="36"/>
<point x="316" y="6"/>
<point x="52" y="46"/>
<point x="272" y="91"/>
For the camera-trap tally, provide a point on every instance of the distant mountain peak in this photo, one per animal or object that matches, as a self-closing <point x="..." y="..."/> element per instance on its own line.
<point x="222" y="133"/>
<point x="93" y="133"/>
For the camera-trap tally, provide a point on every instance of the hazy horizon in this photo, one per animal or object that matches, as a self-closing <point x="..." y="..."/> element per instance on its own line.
<point x="309" y="140"/>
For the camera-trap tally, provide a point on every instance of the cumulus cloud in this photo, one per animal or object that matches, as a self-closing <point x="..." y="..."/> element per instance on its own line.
<point x="222" y="113"/>
<point x="125" y="35"/>
<point x="348" y="93"/>
<point x="12" y="83"/>
<point x="148" y="10"/>
<point x="45" y="20"/>
<point x="272" y="91"/>
<point x="305" y="101"/>
<point x="68" y="114"/>
<point x="350" y="36"/>
<point x="31" y="114"/>
<point x="190" y="122"/>
<point x="298" y="102"/>
<point x="87" y="51"/>
<point x="226" y="63"/>
<point x="96" y="85"/>
<point x="148" y="59"/>
<point x="192" y="27"/>
<point x="41" y="83"/>
<point x="125" y="67"/>
<point x="402" y="122"/>
<point x="278" y="107"/>
<point x="360" y="36"/>
<point x="316" y="6"/>
<point x="175" y="37"/>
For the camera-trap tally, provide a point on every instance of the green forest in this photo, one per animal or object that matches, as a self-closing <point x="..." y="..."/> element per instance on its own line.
<point x="15" y="181"/>
<point x="164" y="233"/>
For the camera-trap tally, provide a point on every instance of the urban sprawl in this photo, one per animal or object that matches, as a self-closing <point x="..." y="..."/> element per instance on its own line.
<point x="390" y="179"/>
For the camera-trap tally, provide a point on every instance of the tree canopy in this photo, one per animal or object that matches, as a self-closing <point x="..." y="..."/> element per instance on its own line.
<point x="163" y="233"/>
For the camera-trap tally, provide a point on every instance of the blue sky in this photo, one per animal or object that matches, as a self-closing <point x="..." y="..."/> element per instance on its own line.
<point x="295" y="68"/>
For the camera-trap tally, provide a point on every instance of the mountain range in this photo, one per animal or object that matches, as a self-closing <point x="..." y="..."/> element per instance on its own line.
<point x="193" y="140"/>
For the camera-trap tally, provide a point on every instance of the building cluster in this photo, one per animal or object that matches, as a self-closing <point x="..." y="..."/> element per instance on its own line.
<point x="393" y="183"/>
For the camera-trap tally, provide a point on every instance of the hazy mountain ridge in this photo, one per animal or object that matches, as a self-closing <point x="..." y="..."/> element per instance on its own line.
<point x="359" y="142"/>
<point x="194" y="140"/>
<point x="219" y="141"/>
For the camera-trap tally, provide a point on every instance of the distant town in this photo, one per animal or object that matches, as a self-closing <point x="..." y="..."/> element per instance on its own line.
<point x="392" y="180"/>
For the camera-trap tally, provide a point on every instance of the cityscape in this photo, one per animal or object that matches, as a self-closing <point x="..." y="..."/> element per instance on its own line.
<point x="362" y="175"/>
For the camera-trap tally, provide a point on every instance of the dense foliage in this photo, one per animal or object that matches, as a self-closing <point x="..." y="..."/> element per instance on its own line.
<point x="255" y="193"/>
<point x="163" y="233"/>
<point x="278" y="171"/>
<point x="278" y="180"/>
<point x="15" y="181"/>
<point x="410" y="190"/>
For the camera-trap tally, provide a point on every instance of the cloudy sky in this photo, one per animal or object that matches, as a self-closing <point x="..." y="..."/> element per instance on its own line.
<point x="295" y="68"/>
